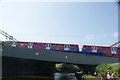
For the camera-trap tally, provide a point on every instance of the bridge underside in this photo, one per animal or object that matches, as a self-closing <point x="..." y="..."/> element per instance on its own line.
<point x="25" y="67"/>
<point x="17" y="67"/>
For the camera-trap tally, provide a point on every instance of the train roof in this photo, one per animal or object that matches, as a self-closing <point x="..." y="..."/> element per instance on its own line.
<point x="44" y="43"/>
<point x="101" y="46"/>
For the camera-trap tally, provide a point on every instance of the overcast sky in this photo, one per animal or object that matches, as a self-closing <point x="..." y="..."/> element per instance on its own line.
<point x="94" y="23"/>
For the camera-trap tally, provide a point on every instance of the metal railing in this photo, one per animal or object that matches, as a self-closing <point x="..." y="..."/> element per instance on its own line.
<point x="8" y="37"/>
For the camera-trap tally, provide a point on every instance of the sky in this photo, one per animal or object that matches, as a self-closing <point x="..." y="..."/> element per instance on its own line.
<point x="83" y="23"/>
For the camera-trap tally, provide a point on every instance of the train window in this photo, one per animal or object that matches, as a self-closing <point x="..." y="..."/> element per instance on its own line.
<point x="118" y="49"/>
<point x="106" y="49"/>
<point x="103" y="48"/>
<point x="57" y="45"/>
<point x="94" y="48"/>
<point x="29" y="44"/>
<point x="87" y="47"/>
<point x="73" y="47"/>
<point x="76" y="47"/>
<point x="48" y="45"/>
<point x="18" y="43"/>
<point x="53" y="45"/>
<point x="26" y="44"/>
<point x="22" y="44"/>
<point x="34" y="44"/>
<point x="66" y="46"/>
<point x="13" y="43"/>
<point x="61" y="46"/>
<point x="99" y="48"/>
<point x="113" y="49"/>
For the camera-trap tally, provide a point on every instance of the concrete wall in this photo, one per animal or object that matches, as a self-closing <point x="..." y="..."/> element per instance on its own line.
<point x="56" y="56"/>
<point x="15" y="67"/>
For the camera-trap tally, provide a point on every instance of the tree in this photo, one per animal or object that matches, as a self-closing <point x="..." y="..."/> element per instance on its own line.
<point x="67" y="68"/>
<point x="5" y="43"/>
<point x="108" y="68"/>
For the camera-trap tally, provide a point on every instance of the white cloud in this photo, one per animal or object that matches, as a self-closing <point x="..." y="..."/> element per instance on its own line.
<point x="97" y="36"/>
<point x="101" y="35"/>
<point x="90" y="36"/>
<point x="115" y="35"/>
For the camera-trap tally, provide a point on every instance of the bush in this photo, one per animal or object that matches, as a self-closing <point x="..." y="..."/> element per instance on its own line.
<point x="108" y="68"/>
<point x="5" y="43"/>
<point x="88" y="76"/>
<point x="1" y="42"/>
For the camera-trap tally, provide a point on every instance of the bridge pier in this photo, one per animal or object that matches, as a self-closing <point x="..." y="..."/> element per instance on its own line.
<point x="88" y="69"/>
<point x="18" y="61"/>
<point x="15" y="67"/>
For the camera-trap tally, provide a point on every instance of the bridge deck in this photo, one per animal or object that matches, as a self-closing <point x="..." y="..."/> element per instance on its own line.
<point x="55" y="56"/>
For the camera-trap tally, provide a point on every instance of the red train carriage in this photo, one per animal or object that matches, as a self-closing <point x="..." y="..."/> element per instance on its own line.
<point x="88" y="49"/>
<point x="21" y="44"/>
<point x="48" y="46"/>
<point x="102" y="49"/>
<point x="92" y="50"/>
<point x="38" y="45"/>
<point x="118" y="51"/>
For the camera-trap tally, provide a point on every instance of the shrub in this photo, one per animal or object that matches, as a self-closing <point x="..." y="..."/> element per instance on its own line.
<point x="108" y="68"/>
<point x="5" y="43"/>
<point x="88" y="76"/>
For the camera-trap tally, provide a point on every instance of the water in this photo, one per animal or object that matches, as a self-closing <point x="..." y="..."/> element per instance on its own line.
<point x="64" y="76"/>
<point x="57" y="76"/>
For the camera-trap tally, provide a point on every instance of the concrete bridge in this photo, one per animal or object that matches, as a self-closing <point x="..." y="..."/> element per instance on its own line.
<point x="24" y="61"/>
<point x="55" y="56"/>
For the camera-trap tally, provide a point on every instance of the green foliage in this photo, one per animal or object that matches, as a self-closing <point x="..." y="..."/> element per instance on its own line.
<point x="108" y="68"/>
<point x="1" y="42"/>
<point x="88" y="76"/>
<point x="5" y="43"/>
<point x="80" y="72"/>
<point x="67" y="68"/>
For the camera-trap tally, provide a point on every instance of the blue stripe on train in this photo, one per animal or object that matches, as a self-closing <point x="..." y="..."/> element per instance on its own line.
<point x="38" y="45"/>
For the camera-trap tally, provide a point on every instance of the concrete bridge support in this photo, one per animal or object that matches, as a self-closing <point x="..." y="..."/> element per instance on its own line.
<point x="27" y="62"/>
<point x="13" y="67"/>
<point x="88" y="69"/>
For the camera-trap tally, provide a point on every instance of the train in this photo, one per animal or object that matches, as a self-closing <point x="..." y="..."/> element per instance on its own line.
<point x="103" y="50"/>
<point x="86" y="49"/>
